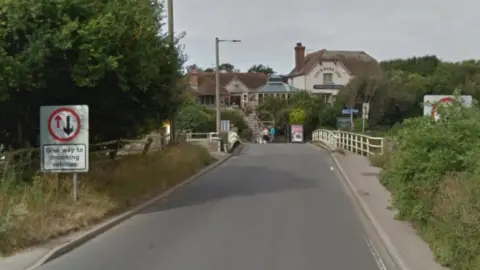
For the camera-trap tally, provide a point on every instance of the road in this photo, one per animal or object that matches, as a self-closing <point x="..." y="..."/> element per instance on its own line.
<point x="271" y="207"/>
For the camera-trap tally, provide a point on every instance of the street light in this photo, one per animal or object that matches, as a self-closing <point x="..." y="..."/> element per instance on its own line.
<point x="217" y="76"/>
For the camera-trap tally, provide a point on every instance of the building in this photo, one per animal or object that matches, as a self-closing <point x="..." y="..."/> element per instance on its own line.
<point x="275" y="87"/>
<point x="236" y="88"/>
<point x="325" y="72"/>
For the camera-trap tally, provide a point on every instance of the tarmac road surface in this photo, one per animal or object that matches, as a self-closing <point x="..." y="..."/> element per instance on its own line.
<point x="271" y="207"/>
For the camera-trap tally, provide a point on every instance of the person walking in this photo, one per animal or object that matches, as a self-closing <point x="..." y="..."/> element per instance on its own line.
<point x="272" y="133"/>
<point x="265" y="137"/>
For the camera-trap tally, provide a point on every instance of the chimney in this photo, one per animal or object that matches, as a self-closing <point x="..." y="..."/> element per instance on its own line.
<point x="194" y="78"/>
<point x="299" y="56"/>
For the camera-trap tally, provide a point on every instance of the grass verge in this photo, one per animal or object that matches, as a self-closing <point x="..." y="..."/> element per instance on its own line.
<point x="32" y="213"/>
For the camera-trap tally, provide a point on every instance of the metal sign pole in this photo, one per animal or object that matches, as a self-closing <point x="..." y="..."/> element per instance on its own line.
<point x="351" y="119"/>
<point x="75" y="186"/>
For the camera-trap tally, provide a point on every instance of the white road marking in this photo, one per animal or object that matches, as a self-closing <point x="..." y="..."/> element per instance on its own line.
<point x="375" y="254"/>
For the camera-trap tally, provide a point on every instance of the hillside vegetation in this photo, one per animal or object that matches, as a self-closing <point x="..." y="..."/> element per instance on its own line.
<point x="433" y="174"/>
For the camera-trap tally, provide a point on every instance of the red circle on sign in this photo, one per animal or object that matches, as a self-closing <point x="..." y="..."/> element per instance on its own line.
<point x="442" y="100"/>
<point x="51" y="117"/>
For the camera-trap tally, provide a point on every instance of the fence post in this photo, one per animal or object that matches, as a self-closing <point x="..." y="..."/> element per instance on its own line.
<point x="113" y="154"/>
<point x="368" y="147"/>
<point x="8" y="157"/>
<point x="147" y="146"/>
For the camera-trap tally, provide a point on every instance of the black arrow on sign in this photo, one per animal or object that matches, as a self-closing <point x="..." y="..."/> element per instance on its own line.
<point x="68" y="129"/>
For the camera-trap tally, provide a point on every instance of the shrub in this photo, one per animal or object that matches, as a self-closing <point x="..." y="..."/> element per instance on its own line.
<point x="434" y="181"/>
<point x="195" y="119"/>
<point x="31" y="213"/>
<point x="246" y="134"/>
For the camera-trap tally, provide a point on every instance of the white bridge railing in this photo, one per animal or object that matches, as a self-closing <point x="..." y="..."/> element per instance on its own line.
<point x="211" y="137"/>
<point x="357" y="143"/>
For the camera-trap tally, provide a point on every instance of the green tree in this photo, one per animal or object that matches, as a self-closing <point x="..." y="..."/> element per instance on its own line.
<point x="194" y="119"/>
<point x="297" y="116"/>
<point x="227" y="67"/>
<point x="262" y="69"/>
<point x="106" y="54"/>
<point x="270" y="107"/>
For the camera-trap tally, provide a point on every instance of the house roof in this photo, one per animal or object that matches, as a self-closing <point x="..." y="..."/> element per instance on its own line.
<point x="358" y="63"/>
<point x="275" y="84"/>
<point x="206" y="81"/>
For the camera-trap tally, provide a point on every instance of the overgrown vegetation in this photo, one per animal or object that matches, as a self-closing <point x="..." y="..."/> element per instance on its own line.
<point x="433" y="176"/>
<point x="34" y="213"/>
<point x="197" y="118"/>
<point x="110" y="55"/>
<point x="113" y="56"/>
<point x="398" y="94"/>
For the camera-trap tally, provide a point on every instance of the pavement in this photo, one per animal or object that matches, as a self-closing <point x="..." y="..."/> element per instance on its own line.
<point x="409" y="246"/>
<point x="270" y="207"/>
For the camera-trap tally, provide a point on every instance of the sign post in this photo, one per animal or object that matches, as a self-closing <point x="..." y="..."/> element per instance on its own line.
<point x="431" y="103"/>
<point x="296" y="133"/>
<point x="225" y="125"/>
<point x="64" y="140"/>
<point x="365" y="113"/>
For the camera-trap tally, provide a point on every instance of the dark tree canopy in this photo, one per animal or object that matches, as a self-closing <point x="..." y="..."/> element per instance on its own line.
<point x="263" y="69"/>
<point x="110" y="55"/>
<point x="398" y="95"/>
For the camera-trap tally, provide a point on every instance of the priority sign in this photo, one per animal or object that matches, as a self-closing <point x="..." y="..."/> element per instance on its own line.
<point x="64" y="138"/>
<point x="431" y="102"/>
<point x="64" y="124"/>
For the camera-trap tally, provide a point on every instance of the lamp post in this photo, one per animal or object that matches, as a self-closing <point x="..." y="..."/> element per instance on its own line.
<point x="217" y="77"/>
<point x="171" y="38"/>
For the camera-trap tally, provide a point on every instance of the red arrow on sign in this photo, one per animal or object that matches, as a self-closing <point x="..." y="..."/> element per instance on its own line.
<point x="58" y="119"/>
<point x="442" y="100"/>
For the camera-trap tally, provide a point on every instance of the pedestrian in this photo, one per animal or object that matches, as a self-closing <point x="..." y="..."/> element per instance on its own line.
<point x="265" y="137"/>
<point x="272" y="133"/>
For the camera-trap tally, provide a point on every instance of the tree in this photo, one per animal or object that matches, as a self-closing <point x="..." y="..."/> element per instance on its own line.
<point x="262" y="69"/>
<point x="297" y="116"/>
<point x="193" y="67"/>
<point x="270" y="107"/>
<point x="227" y="67"/>
<point x="194" y="119"/>
<point x="106" y="54"/>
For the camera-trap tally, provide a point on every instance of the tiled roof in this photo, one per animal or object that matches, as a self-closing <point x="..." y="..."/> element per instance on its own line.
<point x="206" y="81"/>
<point x="358" y="63"/>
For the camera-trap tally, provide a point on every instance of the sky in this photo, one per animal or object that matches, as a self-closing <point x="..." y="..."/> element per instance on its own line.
<point x="269" y="29"/>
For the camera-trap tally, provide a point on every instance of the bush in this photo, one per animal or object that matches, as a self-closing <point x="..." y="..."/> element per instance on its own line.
<point x="246" y="134"/>
<point x="195" y="119"/>
<point x="433" y="176"/>
<point x="236" y="118"/>
<point x="31" y="214"/>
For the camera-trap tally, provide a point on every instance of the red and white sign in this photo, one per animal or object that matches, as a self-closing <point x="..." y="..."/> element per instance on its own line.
<point x="444" y="100"/>
<point x="64" y="124"/>
<point x="431" y="102"/>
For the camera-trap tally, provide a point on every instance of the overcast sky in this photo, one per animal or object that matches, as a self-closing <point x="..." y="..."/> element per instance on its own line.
<point x="269" y="29"/>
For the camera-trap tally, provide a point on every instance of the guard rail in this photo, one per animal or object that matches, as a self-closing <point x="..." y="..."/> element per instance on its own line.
<point x="357" y="143"/>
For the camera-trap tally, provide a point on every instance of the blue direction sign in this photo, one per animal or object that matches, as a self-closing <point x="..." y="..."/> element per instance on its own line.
<point x="225" y="125"/>
<point x="349" y="111"/>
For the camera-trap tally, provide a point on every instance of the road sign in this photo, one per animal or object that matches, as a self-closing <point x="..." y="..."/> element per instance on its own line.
<point x="365" y="110"/>
<point x="225" y="125"/>
<point x="64" y="138"/>
<point x="430" y="103"/>
<point x="349" y="111"/>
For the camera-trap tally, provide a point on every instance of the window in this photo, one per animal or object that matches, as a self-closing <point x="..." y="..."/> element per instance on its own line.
<point x="327" y="78"/>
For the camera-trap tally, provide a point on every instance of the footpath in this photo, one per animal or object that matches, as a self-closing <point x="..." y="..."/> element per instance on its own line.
<point x="409" y="247"/>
